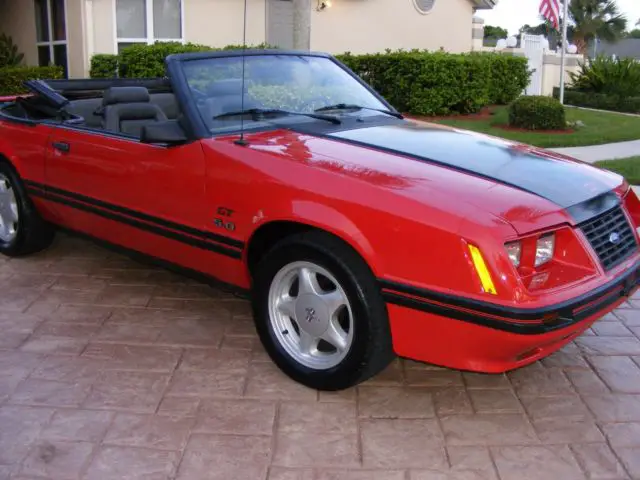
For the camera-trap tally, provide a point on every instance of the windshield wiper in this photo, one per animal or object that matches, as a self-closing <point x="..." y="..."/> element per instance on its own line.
<point x="350" y="106"/>
<point x="256" y="112"/>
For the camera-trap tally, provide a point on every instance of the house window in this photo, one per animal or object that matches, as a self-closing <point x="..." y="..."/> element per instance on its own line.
<point x="148" y="21"/>
<point x="424" y="6"/>
<point x="51" y="33"/>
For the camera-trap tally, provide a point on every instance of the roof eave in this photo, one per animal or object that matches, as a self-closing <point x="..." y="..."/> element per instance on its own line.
<point x="485" y="4"/>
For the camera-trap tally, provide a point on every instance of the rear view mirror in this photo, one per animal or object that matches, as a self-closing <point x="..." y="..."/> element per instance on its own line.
<point x="168" y="132"/>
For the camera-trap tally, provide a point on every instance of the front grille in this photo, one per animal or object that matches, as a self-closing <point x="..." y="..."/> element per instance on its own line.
<point x="600" y="230"/>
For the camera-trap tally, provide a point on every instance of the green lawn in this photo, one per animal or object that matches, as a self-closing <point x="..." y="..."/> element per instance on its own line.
<point x="629" y="168"/>
<point x="599" y="128"/>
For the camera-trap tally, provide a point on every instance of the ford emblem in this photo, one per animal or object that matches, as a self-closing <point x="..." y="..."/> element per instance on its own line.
<point x="614" y="238"/>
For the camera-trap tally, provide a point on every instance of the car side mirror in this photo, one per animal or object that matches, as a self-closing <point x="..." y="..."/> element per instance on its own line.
<point x="168" y="132"/>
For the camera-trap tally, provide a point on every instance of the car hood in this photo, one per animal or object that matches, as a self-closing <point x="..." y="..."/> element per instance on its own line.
<point x="561" y="180"/>
<point x="528" y="187"/>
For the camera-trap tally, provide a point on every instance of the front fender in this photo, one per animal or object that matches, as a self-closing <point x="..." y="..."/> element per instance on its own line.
<point x="327" y="218"/>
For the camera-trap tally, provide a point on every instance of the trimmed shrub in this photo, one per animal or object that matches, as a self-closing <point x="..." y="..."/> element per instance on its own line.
<point x="147" y="61"/>
<point x="537" y="113"/>
<point x="104" y="65"/>
<point x="600" y="101"/>
<point x="619" y="77"/>
<point x="11" y="78"/>
<point x="509" y="77"/>
<point x="438" y="83"/>
<point x="416" y="82"/>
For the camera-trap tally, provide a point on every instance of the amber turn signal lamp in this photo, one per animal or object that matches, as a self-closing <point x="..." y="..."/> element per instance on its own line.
<point x="482" y="270"/>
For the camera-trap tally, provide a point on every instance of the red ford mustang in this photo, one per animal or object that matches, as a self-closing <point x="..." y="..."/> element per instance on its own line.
<point x="358" y="233"/>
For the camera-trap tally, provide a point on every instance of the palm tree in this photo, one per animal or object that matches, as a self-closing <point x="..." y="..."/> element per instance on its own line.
<point x="595" y="19"/>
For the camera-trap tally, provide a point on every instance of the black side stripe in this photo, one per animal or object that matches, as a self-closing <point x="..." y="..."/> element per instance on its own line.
<point x="512" y="319"/>
<point x="629" y="279"/>
<point x="188" y="240"/>
<point x="450" y="312"/>
<point x="160" y="262"/>
<point x="139" y="215"/>
<point x="463" y="302"/>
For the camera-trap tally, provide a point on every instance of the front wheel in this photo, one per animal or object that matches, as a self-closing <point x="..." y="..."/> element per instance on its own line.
<point x="319" y="312"/>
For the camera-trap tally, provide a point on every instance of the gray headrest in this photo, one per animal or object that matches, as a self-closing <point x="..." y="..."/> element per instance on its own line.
<point x="115" y="95"/>
<point x="232" y="86"/>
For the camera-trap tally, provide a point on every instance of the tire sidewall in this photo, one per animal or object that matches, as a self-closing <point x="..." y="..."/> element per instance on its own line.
<point x="10" y="248"/>
<point x="351" y="365"/>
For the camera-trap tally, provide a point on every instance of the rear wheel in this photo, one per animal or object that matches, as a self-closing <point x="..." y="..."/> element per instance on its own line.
<point x="319" y="312"/>
<point x="22" y="231"/>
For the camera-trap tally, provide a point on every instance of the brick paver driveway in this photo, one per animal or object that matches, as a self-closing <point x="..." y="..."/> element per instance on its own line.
<point x="113" y="370"/>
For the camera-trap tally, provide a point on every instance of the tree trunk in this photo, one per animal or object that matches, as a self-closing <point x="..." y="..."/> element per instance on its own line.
<point x="302" y="24"/>
<point x="581" y="44"/>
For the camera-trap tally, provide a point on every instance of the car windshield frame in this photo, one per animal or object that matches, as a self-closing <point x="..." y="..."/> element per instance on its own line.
<point x="177" y="69"/>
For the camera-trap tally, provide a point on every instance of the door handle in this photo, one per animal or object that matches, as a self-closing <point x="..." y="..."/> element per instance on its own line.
<point x="61" y="146"/>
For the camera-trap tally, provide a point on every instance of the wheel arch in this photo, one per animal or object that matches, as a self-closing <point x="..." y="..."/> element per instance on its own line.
<point x="8" y="156"/>
<point x="270" y="232"/>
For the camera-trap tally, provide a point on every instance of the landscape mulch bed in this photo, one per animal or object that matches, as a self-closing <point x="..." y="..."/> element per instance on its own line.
<point x="551" y="132"/>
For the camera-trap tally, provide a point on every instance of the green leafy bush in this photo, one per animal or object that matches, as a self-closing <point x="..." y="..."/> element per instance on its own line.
<point x="439" y="83"/>
<point x="537" y="113"/>
<point x="509" y="77"/>
<point x="9" y="55"/>
<point x="147" y="61"/>
<point x="600" y="101"/>
<point x="11" y="78"/>
<point x="620" y="77"/>
<point x="289" y="97"/>
<point x="416" y="82"/>
<point x="104" y="65"/>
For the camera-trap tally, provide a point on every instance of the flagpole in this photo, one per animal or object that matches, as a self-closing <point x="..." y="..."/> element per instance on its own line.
<point x="563" y="59"/>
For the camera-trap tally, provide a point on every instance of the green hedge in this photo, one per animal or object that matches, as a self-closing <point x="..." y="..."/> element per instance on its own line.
<point x="416" y="82"/>
<point x="509" y="77"/>
<point x="537" y="112"/>
<point x="147" y="61"/>
<point x="104" y="65"/>
<point x="599" y="101"/>
<point x="439" y="83"/>
<point x="11" y="78"/>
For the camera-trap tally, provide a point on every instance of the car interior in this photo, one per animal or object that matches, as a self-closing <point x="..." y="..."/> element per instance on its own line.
<point x="125" y="107"/>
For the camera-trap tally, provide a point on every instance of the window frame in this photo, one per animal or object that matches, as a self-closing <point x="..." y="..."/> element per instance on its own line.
<point x="51" y="44"/>
<point x="416" y="4"/>
<point x="149" y="40"/>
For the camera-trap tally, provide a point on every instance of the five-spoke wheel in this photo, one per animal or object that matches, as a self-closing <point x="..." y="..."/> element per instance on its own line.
<point x="319" y="312"/>
<point x="310" y="315"/>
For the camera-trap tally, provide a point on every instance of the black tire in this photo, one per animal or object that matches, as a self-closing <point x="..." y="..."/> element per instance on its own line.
<point x="33" y="233"/>
<point x="371" y="350"/>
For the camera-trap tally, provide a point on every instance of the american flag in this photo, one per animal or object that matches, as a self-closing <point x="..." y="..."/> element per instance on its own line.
<point x="550" y="9"/>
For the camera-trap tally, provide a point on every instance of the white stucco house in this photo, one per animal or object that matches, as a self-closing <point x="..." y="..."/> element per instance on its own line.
<point x="69" y="32"/>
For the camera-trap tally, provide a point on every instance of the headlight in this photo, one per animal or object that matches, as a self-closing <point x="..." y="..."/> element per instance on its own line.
<point x="544" y="249"/>
<point x="514" y="249"/>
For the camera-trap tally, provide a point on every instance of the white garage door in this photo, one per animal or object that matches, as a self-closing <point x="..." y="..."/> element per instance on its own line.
<point x="280" y="23"/>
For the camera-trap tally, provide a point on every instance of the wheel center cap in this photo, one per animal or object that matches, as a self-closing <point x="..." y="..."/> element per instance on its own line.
<point x="312" y="314"/>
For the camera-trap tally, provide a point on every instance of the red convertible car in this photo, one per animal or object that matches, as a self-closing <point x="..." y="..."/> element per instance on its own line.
<point x="358" y="234"/>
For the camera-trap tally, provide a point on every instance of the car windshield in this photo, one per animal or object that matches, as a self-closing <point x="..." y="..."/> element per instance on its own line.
<point x="293" y="85"/>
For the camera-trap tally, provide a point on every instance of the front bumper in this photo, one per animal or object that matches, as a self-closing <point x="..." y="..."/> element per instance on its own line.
<point x="463" y="333"/>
